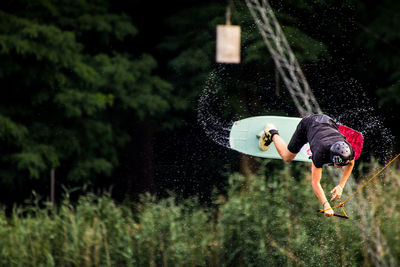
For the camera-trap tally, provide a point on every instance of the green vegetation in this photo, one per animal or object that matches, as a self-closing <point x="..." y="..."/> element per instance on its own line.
<point x="69" y="97"/>
<point x="91" y="86"/>
<point x="266" y="220"/>
<point x="106" y="94"/>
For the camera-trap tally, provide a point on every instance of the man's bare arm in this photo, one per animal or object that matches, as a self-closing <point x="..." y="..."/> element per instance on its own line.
<point x="338" y="190"/>
<point x="316" y="174"/>
<point x="346" y="173"/>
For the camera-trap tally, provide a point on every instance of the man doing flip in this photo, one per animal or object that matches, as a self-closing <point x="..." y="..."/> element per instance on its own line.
<point x="327" y="144"/>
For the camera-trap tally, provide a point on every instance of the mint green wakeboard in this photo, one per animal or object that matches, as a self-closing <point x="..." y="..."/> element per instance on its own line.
<point x="243" y="136"/>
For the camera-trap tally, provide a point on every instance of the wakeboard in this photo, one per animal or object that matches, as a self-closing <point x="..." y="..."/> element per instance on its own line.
<point x="244" y="137"/>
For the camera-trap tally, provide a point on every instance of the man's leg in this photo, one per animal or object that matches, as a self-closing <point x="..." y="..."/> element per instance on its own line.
<point x="282" y="149"/>
<point x="297" y="141"/>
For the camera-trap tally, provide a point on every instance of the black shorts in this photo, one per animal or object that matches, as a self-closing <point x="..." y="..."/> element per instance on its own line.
<point x="299" y="138"/>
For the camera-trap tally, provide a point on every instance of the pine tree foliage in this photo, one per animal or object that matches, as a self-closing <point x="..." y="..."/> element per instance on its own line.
<point x="67" y="87"/>
<point x="82" y="88"/>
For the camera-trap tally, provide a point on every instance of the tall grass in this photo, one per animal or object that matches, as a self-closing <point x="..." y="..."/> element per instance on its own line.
<point x="264" y="220"/>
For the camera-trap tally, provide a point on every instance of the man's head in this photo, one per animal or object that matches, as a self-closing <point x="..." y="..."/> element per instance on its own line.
<point x="341" y="153"/>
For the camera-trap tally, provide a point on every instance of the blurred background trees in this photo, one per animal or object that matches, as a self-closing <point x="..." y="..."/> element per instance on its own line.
<point x="106" y="92"/>
<point x="73" y="95"/>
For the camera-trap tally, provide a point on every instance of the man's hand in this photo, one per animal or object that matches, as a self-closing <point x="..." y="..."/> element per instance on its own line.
<point x="328" y="211"/>
<point x="336" y="192"/>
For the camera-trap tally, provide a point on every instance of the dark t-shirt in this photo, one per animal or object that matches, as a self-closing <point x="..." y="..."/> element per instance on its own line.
<point x="321" y="132"/>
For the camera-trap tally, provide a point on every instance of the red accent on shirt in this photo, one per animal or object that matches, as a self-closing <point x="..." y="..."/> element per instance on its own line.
<point x="354" y="138"/>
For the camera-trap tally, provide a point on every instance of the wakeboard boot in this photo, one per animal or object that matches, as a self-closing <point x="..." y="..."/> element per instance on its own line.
<point x="265" y="136"/>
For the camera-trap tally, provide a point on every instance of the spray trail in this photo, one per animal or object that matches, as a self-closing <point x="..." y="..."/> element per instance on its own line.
<point x="210" y="109"/>
<point x="349" y="105"/>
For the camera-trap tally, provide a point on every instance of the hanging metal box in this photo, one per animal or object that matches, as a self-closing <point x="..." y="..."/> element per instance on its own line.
<point x="228" y="44"/>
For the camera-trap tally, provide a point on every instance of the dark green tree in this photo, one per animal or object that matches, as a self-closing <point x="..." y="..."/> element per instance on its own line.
<point x="71" y="91"/>
<point x="379" y="63"/>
